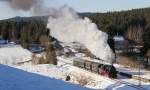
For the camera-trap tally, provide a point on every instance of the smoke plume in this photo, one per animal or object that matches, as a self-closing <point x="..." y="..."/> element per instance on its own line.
<point x="22" y="4"/>
<point x="35" y="7"/>
<point x="66" y="26"/>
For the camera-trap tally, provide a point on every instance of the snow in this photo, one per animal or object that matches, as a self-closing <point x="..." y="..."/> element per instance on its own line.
<point x="124" y="87"/>
<point x="15" y="79"/>
<point x="47" y="76"/>
<point x="45" y="69"/>
<point x="96" y="81"/>
<point x="65" y="68"/>
<point x="134" y="72"/>
<point x="146" y="76"/>
<point x="62" y="70"/>
<point x="119" y="38"/>
<point x="13" y="54"/>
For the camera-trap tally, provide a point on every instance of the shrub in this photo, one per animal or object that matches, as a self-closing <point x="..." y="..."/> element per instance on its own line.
<point x="51" y="55"/>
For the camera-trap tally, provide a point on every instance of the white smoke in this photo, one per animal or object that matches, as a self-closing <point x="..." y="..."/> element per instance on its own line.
<point x="66" y="26"/>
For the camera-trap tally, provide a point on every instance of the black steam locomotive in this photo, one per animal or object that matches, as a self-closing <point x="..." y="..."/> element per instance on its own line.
<point x="102" y="69"/>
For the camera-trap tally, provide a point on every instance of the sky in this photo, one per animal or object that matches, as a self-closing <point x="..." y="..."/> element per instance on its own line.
<point x="7" y="12"/>
<point x="100" y="5"/>
<point x="80" y="6"/>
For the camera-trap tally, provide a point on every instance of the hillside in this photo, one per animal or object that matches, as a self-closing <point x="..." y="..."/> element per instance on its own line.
<point x="28" y="76"/>
<point x="114" y="23"/>
<point x="9" y="80"/>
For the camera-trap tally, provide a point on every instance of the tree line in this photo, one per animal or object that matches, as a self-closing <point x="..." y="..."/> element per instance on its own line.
<point x="23" y="30"/>
<point x="134" y="25"/>
<point x="27" y="32"/>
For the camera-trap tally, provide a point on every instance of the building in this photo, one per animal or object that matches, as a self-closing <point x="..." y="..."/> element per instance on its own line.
<point x="2" y="41"/>
<point x="120" y="44"/>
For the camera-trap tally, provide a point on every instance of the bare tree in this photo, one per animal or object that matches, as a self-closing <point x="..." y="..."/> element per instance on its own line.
<point x="135" y="34"/>
<point x="49" y="49"/>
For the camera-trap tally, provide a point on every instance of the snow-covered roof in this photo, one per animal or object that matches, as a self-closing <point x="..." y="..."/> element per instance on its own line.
<point x="13" y="54"/>
<point x="119" y="38"/>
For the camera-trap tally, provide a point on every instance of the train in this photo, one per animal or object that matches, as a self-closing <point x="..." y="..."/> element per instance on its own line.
<point x="96" y="67"/>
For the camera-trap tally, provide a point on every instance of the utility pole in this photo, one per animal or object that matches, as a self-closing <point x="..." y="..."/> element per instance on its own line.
<point x="140" y="58"/>
<point x="139" y="75"/>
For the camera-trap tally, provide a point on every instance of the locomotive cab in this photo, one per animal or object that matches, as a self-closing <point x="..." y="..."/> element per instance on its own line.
<point x="113" y="72"/>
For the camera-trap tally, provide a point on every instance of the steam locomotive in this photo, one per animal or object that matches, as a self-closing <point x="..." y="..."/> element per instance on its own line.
<point x="102" y="69"/>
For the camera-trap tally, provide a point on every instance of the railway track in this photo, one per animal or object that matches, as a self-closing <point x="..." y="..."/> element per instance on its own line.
<point x="132" y="85"/>
<point x="118" y="82"/>
<point x="20" y="63"/>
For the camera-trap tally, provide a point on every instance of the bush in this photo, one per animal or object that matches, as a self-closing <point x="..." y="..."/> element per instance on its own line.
<point x="47" y="57"/>
<point x="128" y="61"/>
<point x="39" y="59"/>
<point x="51" y="55"/>
<point x="82" y="80"/>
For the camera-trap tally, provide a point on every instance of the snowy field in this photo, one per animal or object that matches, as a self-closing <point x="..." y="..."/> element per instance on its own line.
<point x="13" y="54"/>
<point x="94" y="81"/>
<point x="16" y="79"/>
<point x="46" y="76"/>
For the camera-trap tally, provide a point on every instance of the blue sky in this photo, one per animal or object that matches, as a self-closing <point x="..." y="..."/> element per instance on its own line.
<point x="100" y="5"/>
<point x="80" y="6"/>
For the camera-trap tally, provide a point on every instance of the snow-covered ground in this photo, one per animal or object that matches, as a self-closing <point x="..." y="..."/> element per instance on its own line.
<point x="133" y="72"/>
<point x="99" y="82"/>
<point x="46" y="76"/>
<point x="16" y="79"/>
<point x="13" y="54"/>
<point x="77" y="75"/>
